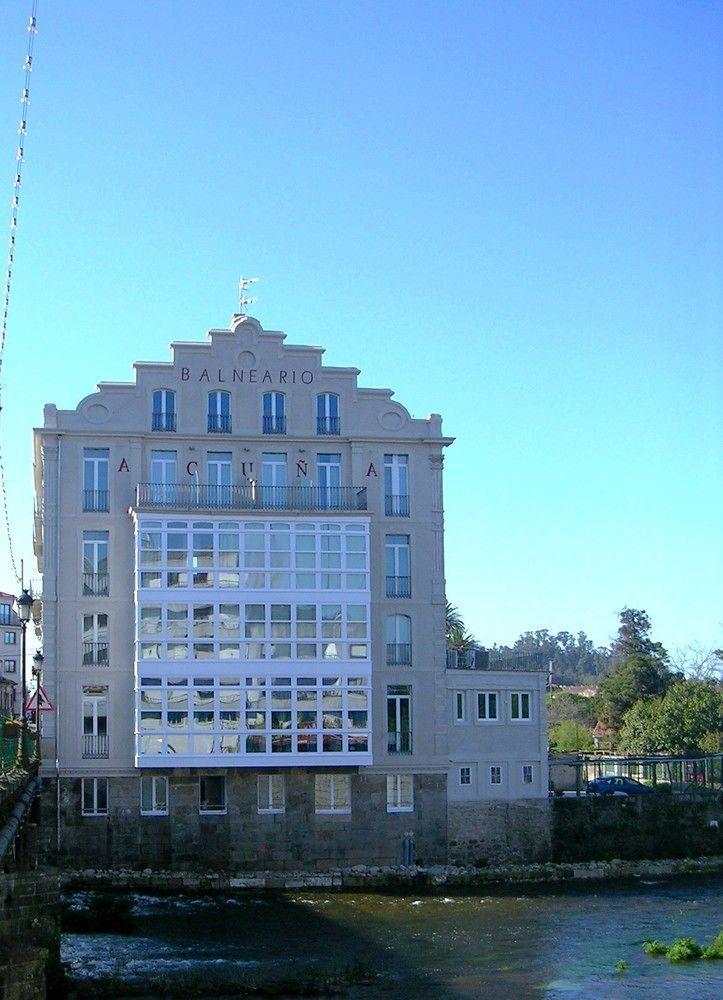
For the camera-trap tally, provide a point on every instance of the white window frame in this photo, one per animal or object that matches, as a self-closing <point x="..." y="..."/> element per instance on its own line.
<point x="495" y="771"/>
<point x="396" y="475"/>
<point x="154" y="780"/>
<point x="212" y="812"/>
<point x="531" y="768"/>
<point x="521" y="695"/>
<point x="270" y="789"/>
<point x="10" y="666"/>
<point x="84" y="783"/>
<point x="334" y="810"/>
<point x="10" y="638"/>
<point x="96" y="469"/>
<point x="460" y="702"/>
<point x="163" y="395"/>
<point x="397" y="801"/>
<point x="485" y="695"/>
<point x="465" y="771"/>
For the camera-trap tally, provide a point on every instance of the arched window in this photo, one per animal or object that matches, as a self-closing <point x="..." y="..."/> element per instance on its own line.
<point x="219" y="411"/>
<point x="399" y="640"/>
<point x="274" y="413"/>
<point x="163" y="414"/>
<point x="327" y="413"/>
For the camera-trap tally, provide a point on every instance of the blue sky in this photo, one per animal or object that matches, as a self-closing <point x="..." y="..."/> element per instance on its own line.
<point x="507" y="212"/>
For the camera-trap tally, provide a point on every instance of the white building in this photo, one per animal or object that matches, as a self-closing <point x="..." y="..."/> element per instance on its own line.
<point x="243" y="615"/>
<point x="10" y="656"/>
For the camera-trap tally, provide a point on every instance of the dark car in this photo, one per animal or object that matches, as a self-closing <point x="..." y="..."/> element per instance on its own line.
<point x="612" y="784"/>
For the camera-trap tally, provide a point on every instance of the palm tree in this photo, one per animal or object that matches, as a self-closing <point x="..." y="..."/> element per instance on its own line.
<point x="461" y="640"/>
<point x="453" y="619"/>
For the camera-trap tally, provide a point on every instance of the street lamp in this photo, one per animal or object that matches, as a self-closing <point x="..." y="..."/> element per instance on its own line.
<point x="38" y="675"/>
<point x="25" y="606"/>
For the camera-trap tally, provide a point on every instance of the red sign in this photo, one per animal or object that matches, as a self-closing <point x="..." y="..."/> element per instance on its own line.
<point x="32" y="703"/>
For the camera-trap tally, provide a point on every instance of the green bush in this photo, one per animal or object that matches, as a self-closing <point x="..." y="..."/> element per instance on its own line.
<point x="655" y="948"/>
<point x="714" y="950"/>
<point x="684" y="950"/>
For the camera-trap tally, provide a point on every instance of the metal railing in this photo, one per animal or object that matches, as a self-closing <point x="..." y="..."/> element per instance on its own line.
<point x="328" y="425"/>
<point x="490" y="659"/>
<point x="399" y="586"/>
<point x="219" y="423"/>
<point x="399" y="654"/>
<point x="273" y="425"/>
<point x="95" y="654"/>
<point x="399" y="742"/>
<point x="163" y="422"/>
<point x="95" y="745"/>
<point x="95" y="584"/>
<point x="189" y="496"/>
<point x="96" y="500"/>
<point x="396" y="506"/>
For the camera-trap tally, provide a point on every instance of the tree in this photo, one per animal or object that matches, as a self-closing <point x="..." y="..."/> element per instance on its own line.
<point x="637" y="676"/>
<point x="691" y="716"/>
<point x="453" y="619"/>
<point x="459" y="639"/>
<point x="698" y="663"/>
<point x="564" y="706"/>
<point x="575" y="660"/>
<point x="639" y="731"/>
<point x="633" y="639"/>
<point x="569" y="735"/>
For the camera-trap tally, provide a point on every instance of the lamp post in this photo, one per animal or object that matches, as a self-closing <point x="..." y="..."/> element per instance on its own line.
<point x="25" y="606"/>
<point x="38" y="675"/>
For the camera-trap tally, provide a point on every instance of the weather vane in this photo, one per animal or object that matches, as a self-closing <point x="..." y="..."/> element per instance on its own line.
<point x="245" y="300"/>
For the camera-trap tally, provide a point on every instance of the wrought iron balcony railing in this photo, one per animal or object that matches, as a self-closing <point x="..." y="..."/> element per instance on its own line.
<point x="95" y="500"/>
<point x="273" y="425"/>
<point x="328" y="425"/>
<point x="163" y="422"/>
<point x="95" y="584"/>
<point x="399" y="586"/>
<point x="95" y="745"/>
<point x="399" y="654"/>
<point x="399" y="742"/>
<point x="95" y="654"/>
<point x="219" y="423"/>
<point x="396" y="506"/>
<point x="492" y="659"/>
<point x="190" y="496"/>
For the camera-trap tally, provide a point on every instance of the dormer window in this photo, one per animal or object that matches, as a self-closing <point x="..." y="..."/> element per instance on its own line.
<point x="219" y="412"/>
<point x="327" y="413"/>
<point x="274" y="413"/>
<point x="163" y="416"/>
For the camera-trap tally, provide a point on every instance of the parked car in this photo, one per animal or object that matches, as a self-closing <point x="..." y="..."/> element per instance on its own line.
<point x="612" y="784"/>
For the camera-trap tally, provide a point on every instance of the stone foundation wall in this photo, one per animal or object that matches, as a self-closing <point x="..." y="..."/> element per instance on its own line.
<point x="488" y="833"/>
<point x="243" y="840"/>
<point x="29" y="933"/>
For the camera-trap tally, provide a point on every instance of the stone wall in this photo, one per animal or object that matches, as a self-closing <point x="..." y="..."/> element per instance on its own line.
<point x="29" y="933"/>
<point x="486" y="833"/>
<point x="243" y="840"/>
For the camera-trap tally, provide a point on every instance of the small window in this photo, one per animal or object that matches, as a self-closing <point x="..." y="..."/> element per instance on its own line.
<point x="495" y="774"/>
<point x="273" y="417"/>
<point x="528" y="774"/>
<point x="465" y="775"/>
<point x="94" y="796"/>
<point x="163" y="416"/>
<point x="10" y="666"/>
<point x="219" y="412"/>
<point x="332" y="793"/>
<point x="400" y="793"/>
<point x="520" y="706"/>
<point x="154" y="795"/>
<point x="486" y="706"/>
<point x="271" y="793"/>
<point x="11" y="638"/>
<point x="327" y="413"/>
<point x="459" y="706"/>
<point x="212" y="794"/>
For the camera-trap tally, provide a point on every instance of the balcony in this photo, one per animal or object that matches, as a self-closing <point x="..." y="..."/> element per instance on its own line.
<point x="399" y="654"/>
<point x="396" y="506"/>
<point x="399" y="742"/>
<point x="95" y="746"/>
<point x="95" y="584"/>
<point x="399" y="586"/>
<point x="95" y="500"/>
<point x="328" y="425"/>
<point x="219" y="423"/>
<point x="95" y="654"/>
<point x="189" y="496"/>
<point x="491" y="659"/>
<point x="164" y="422"/>
<point x="273" y="425"/>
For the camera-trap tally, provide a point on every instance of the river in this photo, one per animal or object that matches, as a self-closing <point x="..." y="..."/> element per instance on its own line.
<point x="534" y="942"/>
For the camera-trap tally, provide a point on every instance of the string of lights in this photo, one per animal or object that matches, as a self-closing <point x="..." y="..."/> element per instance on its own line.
<point x="27" y="69"/>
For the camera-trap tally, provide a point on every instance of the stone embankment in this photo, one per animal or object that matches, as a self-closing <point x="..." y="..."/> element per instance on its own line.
<point x="381" y="879"/>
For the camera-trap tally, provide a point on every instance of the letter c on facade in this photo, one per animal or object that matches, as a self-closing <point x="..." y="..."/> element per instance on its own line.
<point x="190" y="471"/>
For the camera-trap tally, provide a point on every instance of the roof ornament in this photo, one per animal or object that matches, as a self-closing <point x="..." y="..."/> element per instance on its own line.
<point x="245" y="300"/>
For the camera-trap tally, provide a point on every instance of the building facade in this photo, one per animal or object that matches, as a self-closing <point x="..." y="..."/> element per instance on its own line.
<point x="10" y="656"/>
<point x="244" y="621"/>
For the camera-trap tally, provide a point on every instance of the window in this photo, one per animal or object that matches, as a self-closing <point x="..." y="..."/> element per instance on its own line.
<point x="273" y="416"/>
<point x="465" y="775"/>
<point x="94" y="796"/>
<point x="95" y="479"/>
<point x="459" y="707"/>
<point x="10" y="638"/>
<point x="332" y="793"/>
<point x="274" y="480"/>
<point x="219" y="412"/>
<point x="163" y="417"/>
<point x="495" y="774"/>
<point x="396" y="486"/>
<point x="328" y="479"/>
<point x="271" y="793"/>
<point x="400" y="793"/>
<point x="218" y="475"/>
<point x="95" y="639"/>
<point x="399" y="582"/>
<point x="520" y="706"/>
<point x="212" y="793"/>
<point x="10" y="666"/>
<point x="327" y="413"/>
<point x="154" y="795"/>
<point x="399" y="640"/>
<point x="528" y="774"/>
<point x="7" y="615"/>
<point x="486" y="706"/>
<point x="163" y="477"/>
<point x="95" y="563"/>
<point x="399" y="718"/>
<point x="95" y="721"/>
